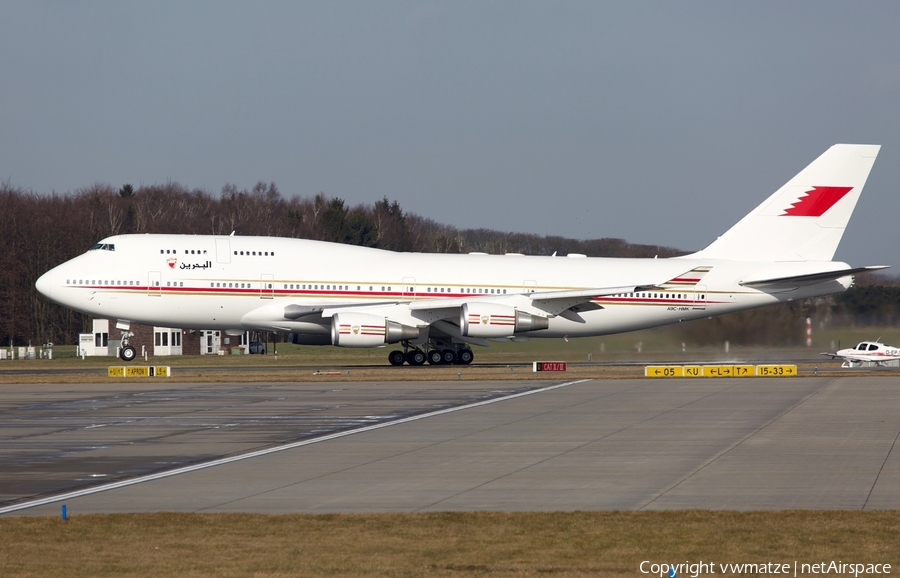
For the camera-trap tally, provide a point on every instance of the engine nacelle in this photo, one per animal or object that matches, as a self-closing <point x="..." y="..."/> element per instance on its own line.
<point x="494" y="320"/>
<point x="365" y="330"/>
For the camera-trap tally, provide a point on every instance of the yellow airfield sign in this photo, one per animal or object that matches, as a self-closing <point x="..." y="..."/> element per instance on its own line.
<point x="139" y="371"/>
<point x="720" y="370"/>
<point x="663" y="371"/>
<point x="744" y="370"/>
<point x="776" y="370"/>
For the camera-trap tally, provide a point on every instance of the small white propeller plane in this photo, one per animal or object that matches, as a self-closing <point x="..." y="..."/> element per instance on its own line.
<point x="867" y="352"/>
<point x="436" y="306"/>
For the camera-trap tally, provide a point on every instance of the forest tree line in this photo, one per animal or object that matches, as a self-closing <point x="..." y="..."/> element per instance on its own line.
<point x="41" y="231"/>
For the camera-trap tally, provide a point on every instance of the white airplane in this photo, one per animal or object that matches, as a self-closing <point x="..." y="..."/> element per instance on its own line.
<point x="435" y="306"/>
<point x="867" y="352"/>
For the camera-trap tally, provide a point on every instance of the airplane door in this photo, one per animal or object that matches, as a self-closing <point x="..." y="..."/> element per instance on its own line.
<point x="409" y="287"/>
<point x="223" y="250"/>
<point x="267" y="286"/>
<point x="154" y="282"/>
<point x="699" y="298"/>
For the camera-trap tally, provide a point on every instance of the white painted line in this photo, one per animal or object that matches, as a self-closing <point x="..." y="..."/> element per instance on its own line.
<point x="272" y="450"/>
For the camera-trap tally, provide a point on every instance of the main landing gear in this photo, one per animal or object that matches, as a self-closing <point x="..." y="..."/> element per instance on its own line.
<point x="451" y="354"/>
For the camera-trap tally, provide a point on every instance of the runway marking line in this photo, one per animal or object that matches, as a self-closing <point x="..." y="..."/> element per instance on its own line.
<point x="271" y="450"/>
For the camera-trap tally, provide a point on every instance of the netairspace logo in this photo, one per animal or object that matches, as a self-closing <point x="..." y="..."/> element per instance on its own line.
<point x="701" y="568"/>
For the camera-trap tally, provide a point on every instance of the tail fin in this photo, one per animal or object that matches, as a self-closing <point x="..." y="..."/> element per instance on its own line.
<point x="805" y="219"/>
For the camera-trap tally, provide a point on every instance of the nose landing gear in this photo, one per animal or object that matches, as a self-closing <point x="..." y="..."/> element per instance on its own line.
<point x="127" y="352"/>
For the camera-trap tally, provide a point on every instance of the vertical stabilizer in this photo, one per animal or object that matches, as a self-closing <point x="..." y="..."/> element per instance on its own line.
<point x="805" y="219"/>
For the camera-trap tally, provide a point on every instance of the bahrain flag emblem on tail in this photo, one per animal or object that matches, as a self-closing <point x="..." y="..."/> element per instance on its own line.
<point x="815" y="202"/>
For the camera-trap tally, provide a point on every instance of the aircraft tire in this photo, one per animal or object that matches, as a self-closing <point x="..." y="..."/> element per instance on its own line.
<point x="465" y="357"/>
<point x="448" y="356"/>
<point x="435" y="357"/>
<point x="127" y="353"/>
<point x="396" y="357"/>
<point x="415" y="357"/>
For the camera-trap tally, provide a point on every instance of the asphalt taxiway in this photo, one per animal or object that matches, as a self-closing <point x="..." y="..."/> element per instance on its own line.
<point x="603" y="444"/>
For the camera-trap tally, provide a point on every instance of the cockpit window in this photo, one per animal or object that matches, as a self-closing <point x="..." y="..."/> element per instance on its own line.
<point x="103" y="247"/>
<point x="862" y="346"/>
<point x="872" y="347"/>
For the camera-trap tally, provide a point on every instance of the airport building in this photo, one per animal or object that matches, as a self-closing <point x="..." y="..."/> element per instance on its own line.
<point x="160" y="341"/>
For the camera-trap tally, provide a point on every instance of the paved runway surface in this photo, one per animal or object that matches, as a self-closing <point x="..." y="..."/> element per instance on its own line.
<point x="821" y="443"/>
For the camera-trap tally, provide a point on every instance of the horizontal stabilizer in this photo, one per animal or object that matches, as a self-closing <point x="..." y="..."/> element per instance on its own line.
<point x="810" y="279"/>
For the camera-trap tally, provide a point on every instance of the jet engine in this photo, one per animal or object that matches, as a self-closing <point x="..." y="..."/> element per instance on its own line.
<point x="494" y="320"/>
<point x="364" y="330"/>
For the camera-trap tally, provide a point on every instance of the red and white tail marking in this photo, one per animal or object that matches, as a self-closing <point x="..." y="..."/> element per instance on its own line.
<point x="816" y="201"/>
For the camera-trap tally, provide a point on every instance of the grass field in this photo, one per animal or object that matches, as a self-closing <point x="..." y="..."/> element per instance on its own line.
<point x="444" y="544"/>
<point x="509" y="360"/>
<point x="635" y="347"/>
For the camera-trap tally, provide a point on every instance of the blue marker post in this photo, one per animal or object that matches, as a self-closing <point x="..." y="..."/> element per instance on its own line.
<point x="64" y="517"/>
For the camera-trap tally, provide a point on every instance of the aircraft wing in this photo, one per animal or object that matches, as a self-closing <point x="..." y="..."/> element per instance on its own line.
<point x="550" y="302"/>
<point x="555" y="302"/>
<point x="810" y="279"/>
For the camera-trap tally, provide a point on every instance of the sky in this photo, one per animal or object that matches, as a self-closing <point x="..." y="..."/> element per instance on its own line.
<point x="656" y="122"/>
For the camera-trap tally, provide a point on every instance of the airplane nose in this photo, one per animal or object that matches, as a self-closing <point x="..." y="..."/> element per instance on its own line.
<point x="44" y="284"/>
